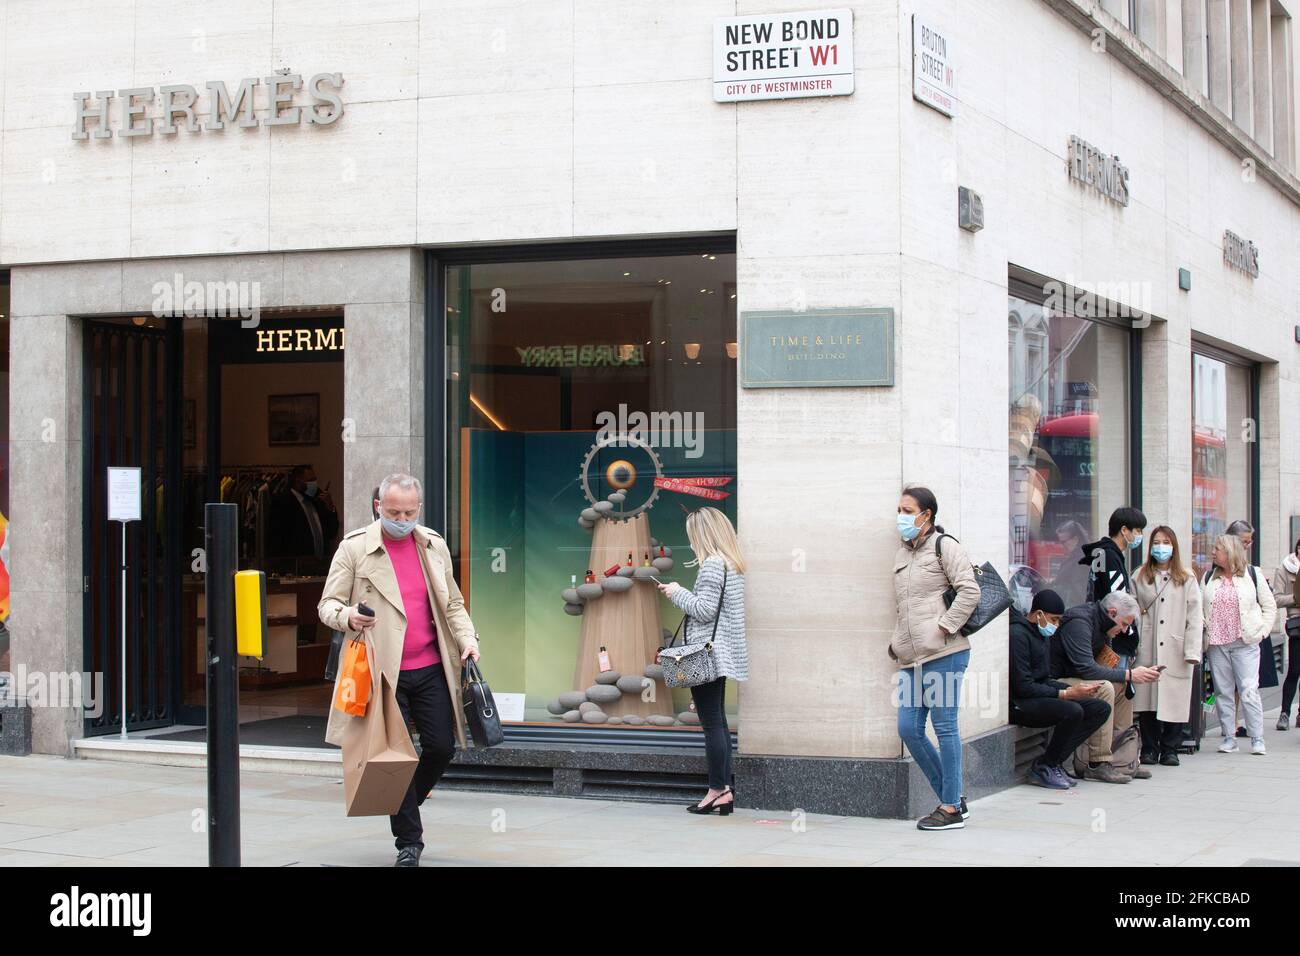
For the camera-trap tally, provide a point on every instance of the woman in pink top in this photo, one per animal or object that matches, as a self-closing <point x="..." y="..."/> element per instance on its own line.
<point x="1239" y="612"/>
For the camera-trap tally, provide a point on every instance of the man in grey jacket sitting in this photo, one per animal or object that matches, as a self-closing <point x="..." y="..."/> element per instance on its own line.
<point x="1080" y="652"/>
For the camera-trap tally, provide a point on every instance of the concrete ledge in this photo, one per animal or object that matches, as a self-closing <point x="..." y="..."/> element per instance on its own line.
<point x="177" y="753"/>
<point x="892" y="788"/>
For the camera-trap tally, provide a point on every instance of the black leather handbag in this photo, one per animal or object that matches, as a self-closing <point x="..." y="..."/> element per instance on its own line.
<point x="995" y="597"/>
<point x="336" y="649"/>
<point x="480" y="709"/>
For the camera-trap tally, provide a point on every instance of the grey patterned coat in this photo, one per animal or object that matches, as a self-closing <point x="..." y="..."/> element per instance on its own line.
<point x="701" y="605"/>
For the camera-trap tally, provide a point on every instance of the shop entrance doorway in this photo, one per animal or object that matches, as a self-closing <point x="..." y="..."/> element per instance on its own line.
<point x="212" y="410"/>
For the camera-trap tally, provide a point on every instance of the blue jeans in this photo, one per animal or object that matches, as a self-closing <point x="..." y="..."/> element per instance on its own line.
<point x="937" y="697"/>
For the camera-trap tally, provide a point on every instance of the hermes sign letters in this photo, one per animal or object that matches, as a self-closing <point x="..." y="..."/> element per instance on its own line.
<point x="176" y="106"/>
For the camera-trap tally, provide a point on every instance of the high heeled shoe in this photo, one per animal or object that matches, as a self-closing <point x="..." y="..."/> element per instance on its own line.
<point x="724" y="809"/>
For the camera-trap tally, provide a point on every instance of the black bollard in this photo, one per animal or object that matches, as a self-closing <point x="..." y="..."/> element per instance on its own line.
<point x="221" y="543"/>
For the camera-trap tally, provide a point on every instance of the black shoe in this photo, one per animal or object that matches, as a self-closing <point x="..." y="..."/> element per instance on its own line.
<point x="1148" y="758"/>
<point x="408" y="856"/>
<point x="723" y="808"/>
<point x="941" y="819"/>
<point x="965" y="810"/>
<point x="1169" y="759"/>
<point x="1241" y="732"/>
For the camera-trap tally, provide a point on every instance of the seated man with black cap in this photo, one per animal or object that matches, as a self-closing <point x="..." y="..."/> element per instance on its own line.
<point x="1074" y="712"/>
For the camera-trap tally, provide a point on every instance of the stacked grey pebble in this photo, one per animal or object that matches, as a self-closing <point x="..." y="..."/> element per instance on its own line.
<point x="584" y="706"/>
<point x="576" y="598"/>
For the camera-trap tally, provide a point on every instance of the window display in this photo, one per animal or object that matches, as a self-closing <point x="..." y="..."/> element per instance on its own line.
<point x="1069" y="441"/>
<point x="592" y="406"/>
<point x="1221" y="482"/>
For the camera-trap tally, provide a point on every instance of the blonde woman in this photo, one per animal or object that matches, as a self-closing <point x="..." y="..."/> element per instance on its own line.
<point x="715" y="611"/>
<point x="1239" y="613"/>
<point x="1171" y="627"/>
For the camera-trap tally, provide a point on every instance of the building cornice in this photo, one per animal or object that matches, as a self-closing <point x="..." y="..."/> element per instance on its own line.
<point x="1151" y="68"/>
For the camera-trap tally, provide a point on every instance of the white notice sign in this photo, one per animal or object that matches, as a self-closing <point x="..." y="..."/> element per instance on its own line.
<point x="934" y="77"/>
<point x="510" y="707"/>
<point x="783" y="55"/>
<point x="124" y="494"/>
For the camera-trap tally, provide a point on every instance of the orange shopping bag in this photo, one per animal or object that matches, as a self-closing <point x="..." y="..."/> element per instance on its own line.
<point x="355" y="677"/>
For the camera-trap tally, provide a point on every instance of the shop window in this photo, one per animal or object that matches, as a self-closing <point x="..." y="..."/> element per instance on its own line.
<point x="598" y="387"/>
<point x="1068" y="442"/>
<point x="4" y="473"/>
<point x="1221" y="451"/>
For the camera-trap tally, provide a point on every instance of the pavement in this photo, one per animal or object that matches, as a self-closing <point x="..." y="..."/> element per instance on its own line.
<point x="1214" y="810"/>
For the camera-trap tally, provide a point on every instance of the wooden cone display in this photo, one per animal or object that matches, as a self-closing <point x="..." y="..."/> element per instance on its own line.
<point x="626" y="624"/>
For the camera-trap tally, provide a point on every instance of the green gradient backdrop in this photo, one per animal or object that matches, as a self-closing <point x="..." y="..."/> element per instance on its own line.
<point x="525" y="498"/>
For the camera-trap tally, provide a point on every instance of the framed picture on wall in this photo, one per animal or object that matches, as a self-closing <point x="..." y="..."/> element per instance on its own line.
<point x="293" y="419"/>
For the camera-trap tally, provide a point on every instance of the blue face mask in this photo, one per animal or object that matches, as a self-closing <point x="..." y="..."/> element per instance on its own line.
<point x="311" y="489"/>
<point x="1162" y="552"/>
<point x="1047" y="630"/>
<point x="1135" y="543"/>
<point x="907" y="527"/>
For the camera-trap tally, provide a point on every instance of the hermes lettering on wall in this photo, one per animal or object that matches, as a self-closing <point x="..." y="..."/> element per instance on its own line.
<point x="175" y="106"/>
<point x="1090" y="166"/>
<point x="1241" y="254"/>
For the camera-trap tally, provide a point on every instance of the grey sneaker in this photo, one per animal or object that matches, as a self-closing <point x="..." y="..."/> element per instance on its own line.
<point x="1284" y="721"/>
<point x="1105" y="773"/>
<point x="1141" y="773"/>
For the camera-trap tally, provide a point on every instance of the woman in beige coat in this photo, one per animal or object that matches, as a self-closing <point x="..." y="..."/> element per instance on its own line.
<point x="1285" y="580"/>
<point x="931" y="650"/>
<point x="1171" y="626"/>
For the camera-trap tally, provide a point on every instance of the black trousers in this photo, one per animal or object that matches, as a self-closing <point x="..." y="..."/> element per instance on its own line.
<point x="424" y="701"/>
<point x="1159" y="737"/>
<point x="1292" y="673"/>
<point x="1075" y="721"/>
<point x="709" y="704"/>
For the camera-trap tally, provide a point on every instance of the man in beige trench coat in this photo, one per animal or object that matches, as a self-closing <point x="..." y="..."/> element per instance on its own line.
<point x="420" y="632"/>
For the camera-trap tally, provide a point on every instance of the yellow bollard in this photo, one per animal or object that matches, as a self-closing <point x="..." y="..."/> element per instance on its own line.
<point x="250" y="613"/>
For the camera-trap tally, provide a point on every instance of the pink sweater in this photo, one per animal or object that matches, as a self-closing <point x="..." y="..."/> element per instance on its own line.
<point x="421" y="646"/>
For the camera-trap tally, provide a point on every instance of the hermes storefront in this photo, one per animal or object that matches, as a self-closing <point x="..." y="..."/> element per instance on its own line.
<point x="580" y="296"/>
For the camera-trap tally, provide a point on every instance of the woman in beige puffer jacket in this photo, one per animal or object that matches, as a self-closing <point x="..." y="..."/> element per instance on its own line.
<point x="934" y="653"/>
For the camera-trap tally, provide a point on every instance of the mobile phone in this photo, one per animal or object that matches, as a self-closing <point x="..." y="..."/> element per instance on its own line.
<point x="655" y="579"/>
<point x="364" y="608"/>
<point x="1162" y="667"/>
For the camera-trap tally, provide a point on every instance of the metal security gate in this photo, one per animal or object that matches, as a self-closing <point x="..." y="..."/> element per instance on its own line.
<point x="131" y="378"/>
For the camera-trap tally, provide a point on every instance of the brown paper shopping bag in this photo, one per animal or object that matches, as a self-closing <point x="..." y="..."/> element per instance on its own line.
<point x="378" y="756"/>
